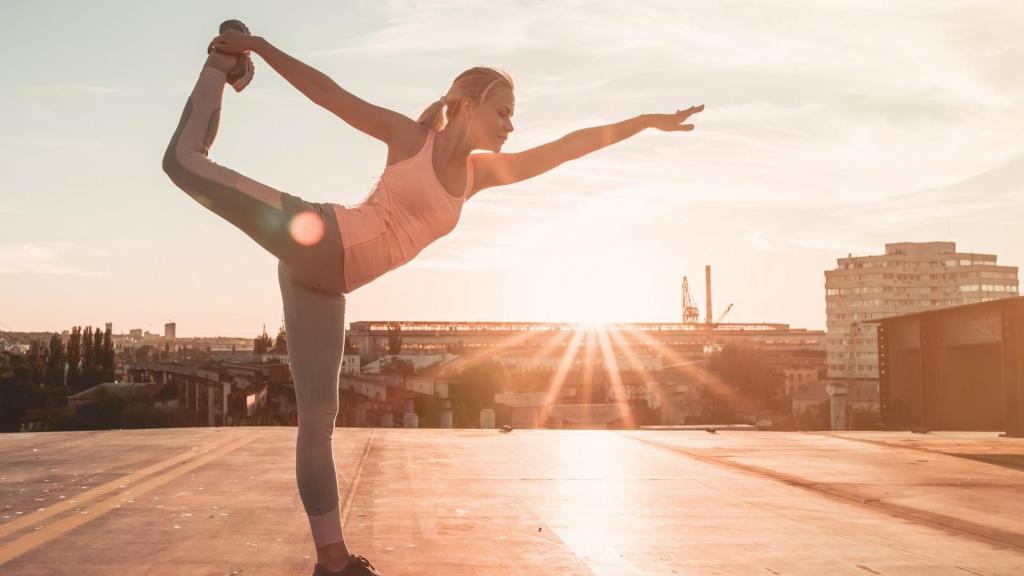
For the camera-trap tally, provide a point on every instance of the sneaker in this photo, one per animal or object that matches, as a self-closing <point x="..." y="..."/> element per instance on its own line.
<point x="357" y="566"/>
<point x="241" y="74"/>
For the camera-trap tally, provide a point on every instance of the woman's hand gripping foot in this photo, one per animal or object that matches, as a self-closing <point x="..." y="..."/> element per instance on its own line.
<point x="229" y="52"/>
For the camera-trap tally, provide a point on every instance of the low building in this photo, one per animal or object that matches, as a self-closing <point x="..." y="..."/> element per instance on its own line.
<point x="959" y="368"/>
<point x="792" y="377"/>
<point x="122" y="389"/>
<point x="215" y="394"/>
<point x="374" y="339"/>
<point x="809" y="395"/>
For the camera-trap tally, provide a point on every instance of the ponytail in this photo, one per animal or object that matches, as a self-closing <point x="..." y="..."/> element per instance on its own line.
<point x="434" y="117"/>
<point x="475" y="83"/>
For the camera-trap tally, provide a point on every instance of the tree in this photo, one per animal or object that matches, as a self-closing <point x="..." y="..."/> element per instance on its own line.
<point x="745" y="369"/>
<point x="396" y="365"/>
<point x="474" y="389"/>
<point x="108" y="355"/>
<point x="38" y="361"/>
<point x="56" y="359"/>
<point x="281" y="342"/>
<point x="262" y="343"/>
<point x="15" y="389"/>
<point x="74" y="358"/>
<point x="144" y="354"/>
<point x="102" y="413"/>
<point x="97" y="354"/>
<point x="714" y="408"/>
<point x="394" y="338"/>
<point x="88" y="359"/>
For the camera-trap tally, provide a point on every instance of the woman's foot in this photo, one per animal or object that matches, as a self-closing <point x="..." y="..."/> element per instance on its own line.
<point x="221" y="61"/>
<point x="357" y="566"/>
<point x="237" y="68"/>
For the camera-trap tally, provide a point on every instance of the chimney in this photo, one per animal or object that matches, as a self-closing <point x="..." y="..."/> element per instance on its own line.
<point x="707" y="288"/>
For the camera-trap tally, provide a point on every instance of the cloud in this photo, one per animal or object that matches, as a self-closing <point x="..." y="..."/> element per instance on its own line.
<point x="96" y="90"/>
<point x="518" y="229"/>
<point x="64" y="143"/>
<point x="46" y="258"/>
<point x="90" y="89"/>
<point x="989" y="195"/>
<point x="823" y="105"/>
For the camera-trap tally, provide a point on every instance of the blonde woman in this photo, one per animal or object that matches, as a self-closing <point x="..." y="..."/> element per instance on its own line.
<point x="327" y="250"/>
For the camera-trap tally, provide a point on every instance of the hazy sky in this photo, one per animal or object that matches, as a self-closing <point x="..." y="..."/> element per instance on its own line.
<point x="830" y="128"/>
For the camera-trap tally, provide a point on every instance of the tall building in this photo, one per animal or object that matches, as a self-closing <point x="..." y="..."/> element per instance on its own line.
<point x="909" y="277"/>
<point x="169" y="330"/>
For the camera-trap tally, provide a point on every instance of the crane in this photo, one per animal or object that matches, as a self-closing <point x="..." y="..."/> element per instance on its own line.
<point x="690" y="313"/>
<point x="722" y="315"/>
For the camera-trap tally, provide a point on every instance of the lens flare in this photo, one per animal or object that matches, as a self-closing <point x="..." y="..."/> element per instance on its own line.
<point x="307" y="229"/>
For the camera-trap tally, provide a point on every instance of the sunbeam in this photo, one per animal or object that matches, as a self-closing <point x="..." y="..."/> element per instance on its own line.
<point x="611" y="366"/>
<point x="555" y="387"/>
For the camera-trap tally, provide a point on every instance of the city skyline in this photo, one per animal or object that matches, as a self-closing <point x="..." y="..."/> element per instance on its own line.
<point x="820" y="139"/>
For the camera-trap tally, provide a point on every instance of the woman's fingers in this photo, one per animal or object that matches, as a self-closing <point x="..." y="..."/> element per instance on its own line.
<point x="228" y="43"/>
<point x="684" y="114"/>
<point x="674" y="122"/>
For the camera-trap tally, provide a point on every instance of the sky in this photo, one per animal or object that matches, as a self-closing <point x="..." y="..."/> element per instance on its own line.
<point x="830" y="129"/>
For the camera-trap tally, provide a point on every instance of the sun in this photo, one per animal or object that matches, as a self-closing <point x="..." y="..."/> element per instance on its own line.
<point x="591" y="326"/>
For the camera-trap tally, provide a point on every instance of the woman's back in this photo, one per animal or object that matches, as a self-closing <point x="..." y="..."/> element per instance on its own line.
<point x="408" y="209"/>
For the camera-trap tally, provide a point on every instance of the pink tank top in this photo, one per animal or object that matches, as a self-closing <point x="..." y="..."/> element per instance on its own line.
<point x="407" y="210"/>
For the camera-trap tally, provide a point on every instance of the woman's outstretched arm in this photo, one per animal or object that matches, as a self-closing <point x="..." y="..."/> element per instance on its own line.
<point x="501" y="169"/>
<point x="381" y="123"/>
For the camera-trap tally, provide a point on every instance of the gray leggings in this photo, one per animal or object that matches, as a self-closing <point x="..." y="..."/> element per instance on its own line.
<point x="311" y="275"/>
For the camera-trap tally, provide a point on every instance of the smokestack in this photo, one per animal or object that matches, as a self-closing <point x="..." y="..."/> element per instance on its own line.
<point x="707" y="288"/>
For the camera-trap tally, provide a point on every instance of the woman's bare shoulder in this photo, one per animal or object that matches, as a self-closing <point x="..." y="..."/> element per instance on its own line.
<point x="407" y="144"/>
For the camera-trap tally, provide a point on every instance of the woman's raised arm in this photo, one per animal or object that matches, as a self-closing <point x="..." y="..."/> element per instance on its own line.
<point x="501" y="169"/>
<point x="381" y="123"/>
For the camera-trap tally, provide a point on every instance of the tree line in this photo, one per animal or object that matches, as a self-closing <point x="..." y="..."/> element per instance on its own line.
<point x="85" y="361"/>
<point x="51" y="371"/>
<point x="262" y="344"/>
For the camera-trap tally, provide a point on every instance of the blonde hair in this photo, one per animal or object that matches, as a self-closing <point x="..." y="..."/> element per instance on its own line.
<point x="475" y="84"/>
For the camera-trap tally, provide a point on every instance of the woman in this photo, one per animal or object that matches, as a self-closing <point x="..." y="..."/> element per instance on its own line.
<point x="327" y="250"/>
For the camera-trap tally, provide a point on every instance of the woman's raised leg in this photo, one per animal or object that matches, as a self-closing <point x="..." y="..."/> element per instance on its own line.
<point x="302" y="234"/>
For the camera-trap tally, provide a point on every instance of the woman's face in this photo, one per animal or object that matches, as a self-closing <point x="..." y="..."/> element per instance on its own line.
<point x="492" y="120"/>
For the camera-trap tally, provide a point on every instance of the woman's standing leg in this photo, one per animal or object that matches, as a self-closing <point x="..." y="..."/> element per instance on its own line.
<point x="315" y="323"/>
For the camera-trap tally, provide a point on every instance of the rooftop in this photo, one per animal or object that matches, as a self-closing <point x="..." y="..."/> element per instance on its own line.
<point x="478" y="502"/>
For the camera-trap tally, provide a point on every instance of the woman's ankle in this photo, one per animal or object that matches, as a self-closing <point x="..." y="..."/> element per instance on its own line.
<point x="221" y="61"/>
<point x="333" y="556"/>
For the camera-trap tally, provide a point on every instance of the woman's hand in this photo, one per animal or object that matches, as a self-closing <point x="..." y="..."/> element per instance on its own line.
<point x="674" y="122"/>
<point x="235" y="43"/>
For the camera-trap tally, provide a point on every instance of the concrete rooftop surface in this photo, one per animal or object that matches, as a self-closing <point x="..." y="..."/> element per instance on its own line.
<point x="223" y="501"/>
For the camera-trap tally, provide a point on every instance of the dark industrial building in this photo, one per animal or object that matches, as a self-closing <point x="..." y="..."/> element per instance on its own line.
<point x="959" y="368"/>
